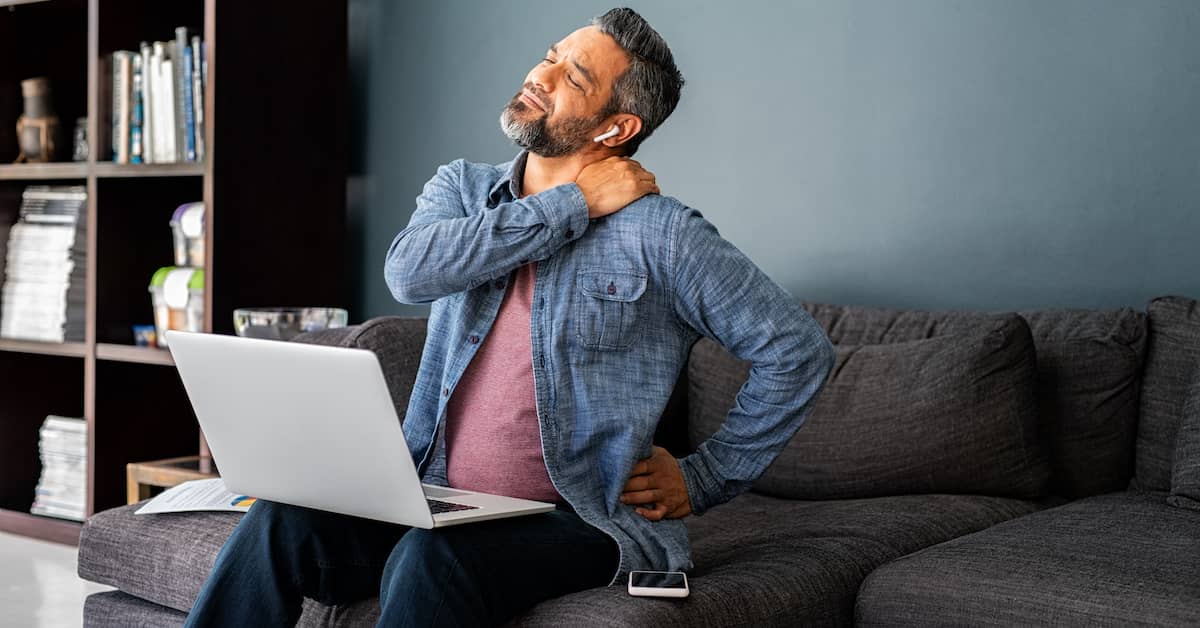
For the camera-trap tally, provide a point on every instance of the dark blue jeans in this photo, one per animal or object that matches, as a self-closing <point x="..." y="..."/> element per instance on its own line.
<point x="468" y="575"/>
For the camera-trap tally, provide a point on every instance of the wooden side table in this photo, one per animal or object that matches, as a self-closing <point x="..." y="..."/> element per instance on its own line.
<point x="141" y="477"/>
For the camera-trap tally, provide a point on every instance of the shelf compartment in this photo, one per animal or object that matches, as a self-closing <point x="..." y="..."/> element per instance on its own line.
<point x="32" y="387"/>
<point x="135" y="354"/>
<point x="143" y="413"/>
<point x="133" y="241"/>
<point x="43" y="39"/>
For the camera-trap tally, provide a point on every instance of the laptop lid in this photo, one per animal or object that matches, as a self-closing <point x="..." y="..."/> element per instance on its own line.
<point x="308" y="425"/>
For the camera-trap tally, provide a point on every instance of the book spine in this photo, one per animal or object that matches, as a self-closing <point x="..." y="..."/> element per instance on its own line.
<point x="179" y="69"/>
<point x="126" y="112"/>
<point x="135" y="122"/>
<point x="189" y="118"/>
<point x="118" y="90"/>
<point x="147" y="106"/>
<point x="198" y="96"/>
<point x="170" y="129"/>
<point x="155" y="77"/>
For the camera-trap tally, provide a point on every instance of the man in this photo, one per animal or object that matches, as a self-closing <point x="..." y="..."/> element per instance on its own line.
<point x="566" y="296"/>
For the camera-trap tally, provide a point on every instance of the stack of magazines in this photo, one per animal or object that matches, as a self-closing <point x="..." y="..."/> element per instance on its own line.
<point x="158" y="101"/>
<point x="45" y="270"/>
<point x="62" y="489"/>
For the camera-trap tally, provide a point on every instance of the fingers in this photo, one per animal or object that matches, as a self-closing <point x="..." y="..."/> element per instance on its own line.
<point x="641" y="468"/>
<point x="642" y="497"/>
<point x="653" y="514"/>
<point x="637" y="483"/>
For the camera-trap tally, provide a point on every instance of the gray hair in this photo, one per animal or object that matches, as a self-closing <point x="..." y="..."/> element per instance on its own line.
<point x="650" y="87"/>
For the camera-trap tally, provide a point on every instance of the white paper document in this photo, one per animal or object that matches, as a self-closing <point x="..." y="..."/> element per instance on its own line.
<point x="195" y="496"/>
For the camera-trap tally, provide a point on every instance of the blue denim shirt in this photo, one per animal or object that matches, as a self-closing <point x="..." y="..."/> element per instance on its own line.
<point x="617" y="304"/>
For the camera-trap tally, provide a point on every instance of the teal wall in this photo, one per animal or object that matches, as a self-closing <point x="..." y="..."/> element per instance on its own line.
<point x="999" y="154"/>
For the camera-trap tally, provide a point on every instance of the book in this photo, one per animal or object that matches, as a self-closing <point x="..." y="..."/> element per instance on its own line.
<point x="178" y="79"/>
<point x="166" y="94"/>
<point x="198" y="95"/>
<point x="189" y="120"/>
<point x="147" y="106"/>
<point x="135" y="121"/>
<point x="43" y="294"/>
<point x="61" y="490"/>
<point x="121" y="96"/>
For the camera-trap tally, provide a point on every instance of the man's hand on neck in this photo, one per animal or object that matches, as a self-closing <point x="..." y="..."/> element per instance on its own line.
<point x="607" y="181"/>
<point x="543" y="173"/>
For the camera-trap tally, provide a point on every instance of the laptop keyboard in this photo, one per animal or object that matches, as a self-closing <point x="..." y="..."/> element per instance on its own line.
<point x="437" y="506"/>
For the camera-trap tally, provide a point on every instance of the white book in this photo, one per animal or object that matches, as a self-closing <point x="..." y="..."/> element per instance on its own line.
<point x="166" y="93"/>
<point x="147" y="107"/>
<point x="153" y="77"/>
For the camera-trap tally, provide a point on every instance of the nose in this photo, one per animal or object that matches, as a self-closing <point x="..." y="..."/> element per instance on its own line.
<point x="543" y="77"/>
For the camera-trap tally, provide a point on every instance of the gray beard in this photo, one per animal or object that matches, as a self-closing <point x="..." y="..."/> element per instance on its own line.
<point x="537" y="137"/>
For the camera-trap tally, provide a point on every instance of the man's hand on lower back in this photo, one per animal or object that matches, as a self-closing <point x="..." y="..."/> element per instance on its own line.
<point x="656" y="485"/>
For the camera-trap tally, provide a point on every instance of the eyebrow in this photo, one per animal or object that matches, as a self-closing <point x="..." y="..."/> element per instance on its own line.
<point x="587" y="74"/>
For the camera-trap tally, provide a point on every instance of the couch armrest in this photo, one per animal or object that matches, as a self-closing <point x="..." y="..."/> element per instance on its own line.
<point x="397" y="341"/>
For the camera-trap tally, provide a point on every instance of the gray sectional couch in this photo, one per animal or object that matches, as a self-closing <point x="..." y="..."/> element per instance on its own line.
<point x="960" y="468"/>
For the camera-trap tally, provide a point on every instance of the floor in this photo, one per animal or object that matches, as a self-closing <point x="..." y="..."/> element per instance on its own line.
<point x="39" y="587"/>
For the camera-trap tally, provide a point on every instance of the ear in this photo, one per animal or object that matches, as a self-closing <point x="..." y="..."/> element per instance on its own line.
<point x="629" y="125"/>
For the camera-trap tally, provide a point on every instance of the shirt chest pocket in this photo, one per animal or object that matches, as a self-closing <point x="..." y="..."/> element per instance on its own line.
<point x="609" y="308"/>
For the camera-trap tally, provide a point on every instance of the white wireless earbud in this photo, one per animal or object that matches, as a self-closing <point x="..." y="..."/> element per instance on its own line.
<point x="611" y="132"/>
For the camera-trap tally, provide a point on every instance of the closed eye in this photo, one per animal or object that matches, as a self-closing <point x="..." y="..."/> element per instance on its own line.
<point x="569" y="79"/>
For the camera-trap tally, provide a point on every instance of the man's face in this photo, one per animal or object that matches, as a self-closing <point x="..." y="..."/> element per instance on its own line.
<point x="560" y="108"/>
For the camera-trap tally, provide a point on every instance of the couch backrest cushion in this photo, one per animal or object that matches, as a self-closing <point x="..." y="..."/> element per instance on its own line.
<point x="1185" y="464"/>
<point x="1172" y="362"/>
<point x="1089" y="382"/>
<point x="954" y="413"/>
<point x="1088" y="385"/>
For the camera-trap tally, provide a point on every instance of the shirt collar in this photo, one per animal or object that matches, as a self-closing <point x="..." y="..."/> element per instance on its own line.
<point x="516" y="172"/>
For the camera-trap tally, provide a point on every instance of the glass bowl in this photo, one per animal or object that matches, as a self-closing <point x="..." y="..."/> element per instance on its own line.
<point x="284" y="323"/>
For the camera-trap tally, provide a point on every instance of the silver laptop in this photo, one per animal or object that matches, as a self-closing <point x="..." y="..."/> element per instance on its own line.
<point x="314" y="426"/>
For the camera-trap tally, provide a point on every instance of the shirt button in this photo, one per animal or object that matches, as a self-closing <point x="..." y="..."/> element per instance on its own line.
<point x="570" y="233"/>
<point x="499" y="285"/>
<point x="445" y="392"/>
<point x="473" y="339"/>
<point x="612" y="289"/>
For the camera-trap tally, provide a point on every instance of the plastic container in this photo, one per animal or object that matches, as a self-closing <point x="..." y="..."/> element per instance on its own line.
<point x="187" y="225"/>
<point x="178" y="297"/>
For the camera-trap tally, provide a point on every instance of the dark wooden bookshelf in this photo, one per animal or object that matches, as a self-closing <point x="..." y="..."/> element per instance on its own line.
<point x="34" y="172"/>
<point x="111" y="170"/>
<point x="273" y="182"/>
<point x="69" y="349"/>
<point x="138" y="355"/>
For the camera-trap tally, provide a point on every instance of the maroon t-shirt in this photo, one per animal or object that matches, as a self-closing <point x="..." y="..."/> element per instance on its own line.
<point x="493" y="444"/>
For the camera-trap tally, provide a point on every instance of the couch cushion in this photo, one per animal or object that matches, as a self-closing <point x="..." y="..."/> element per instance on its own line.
<point x="1185" y="470"/>
<point x="1119" y="559"/>
<point x="160" y="558"/>
<point x="1088" y="384"/>
<point x="114" y="609"/>
<point x="762" y="561"/>
<point x="759" y="559"/>
<point x="1172" y="362"/>
<point x="949" y="414"/>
